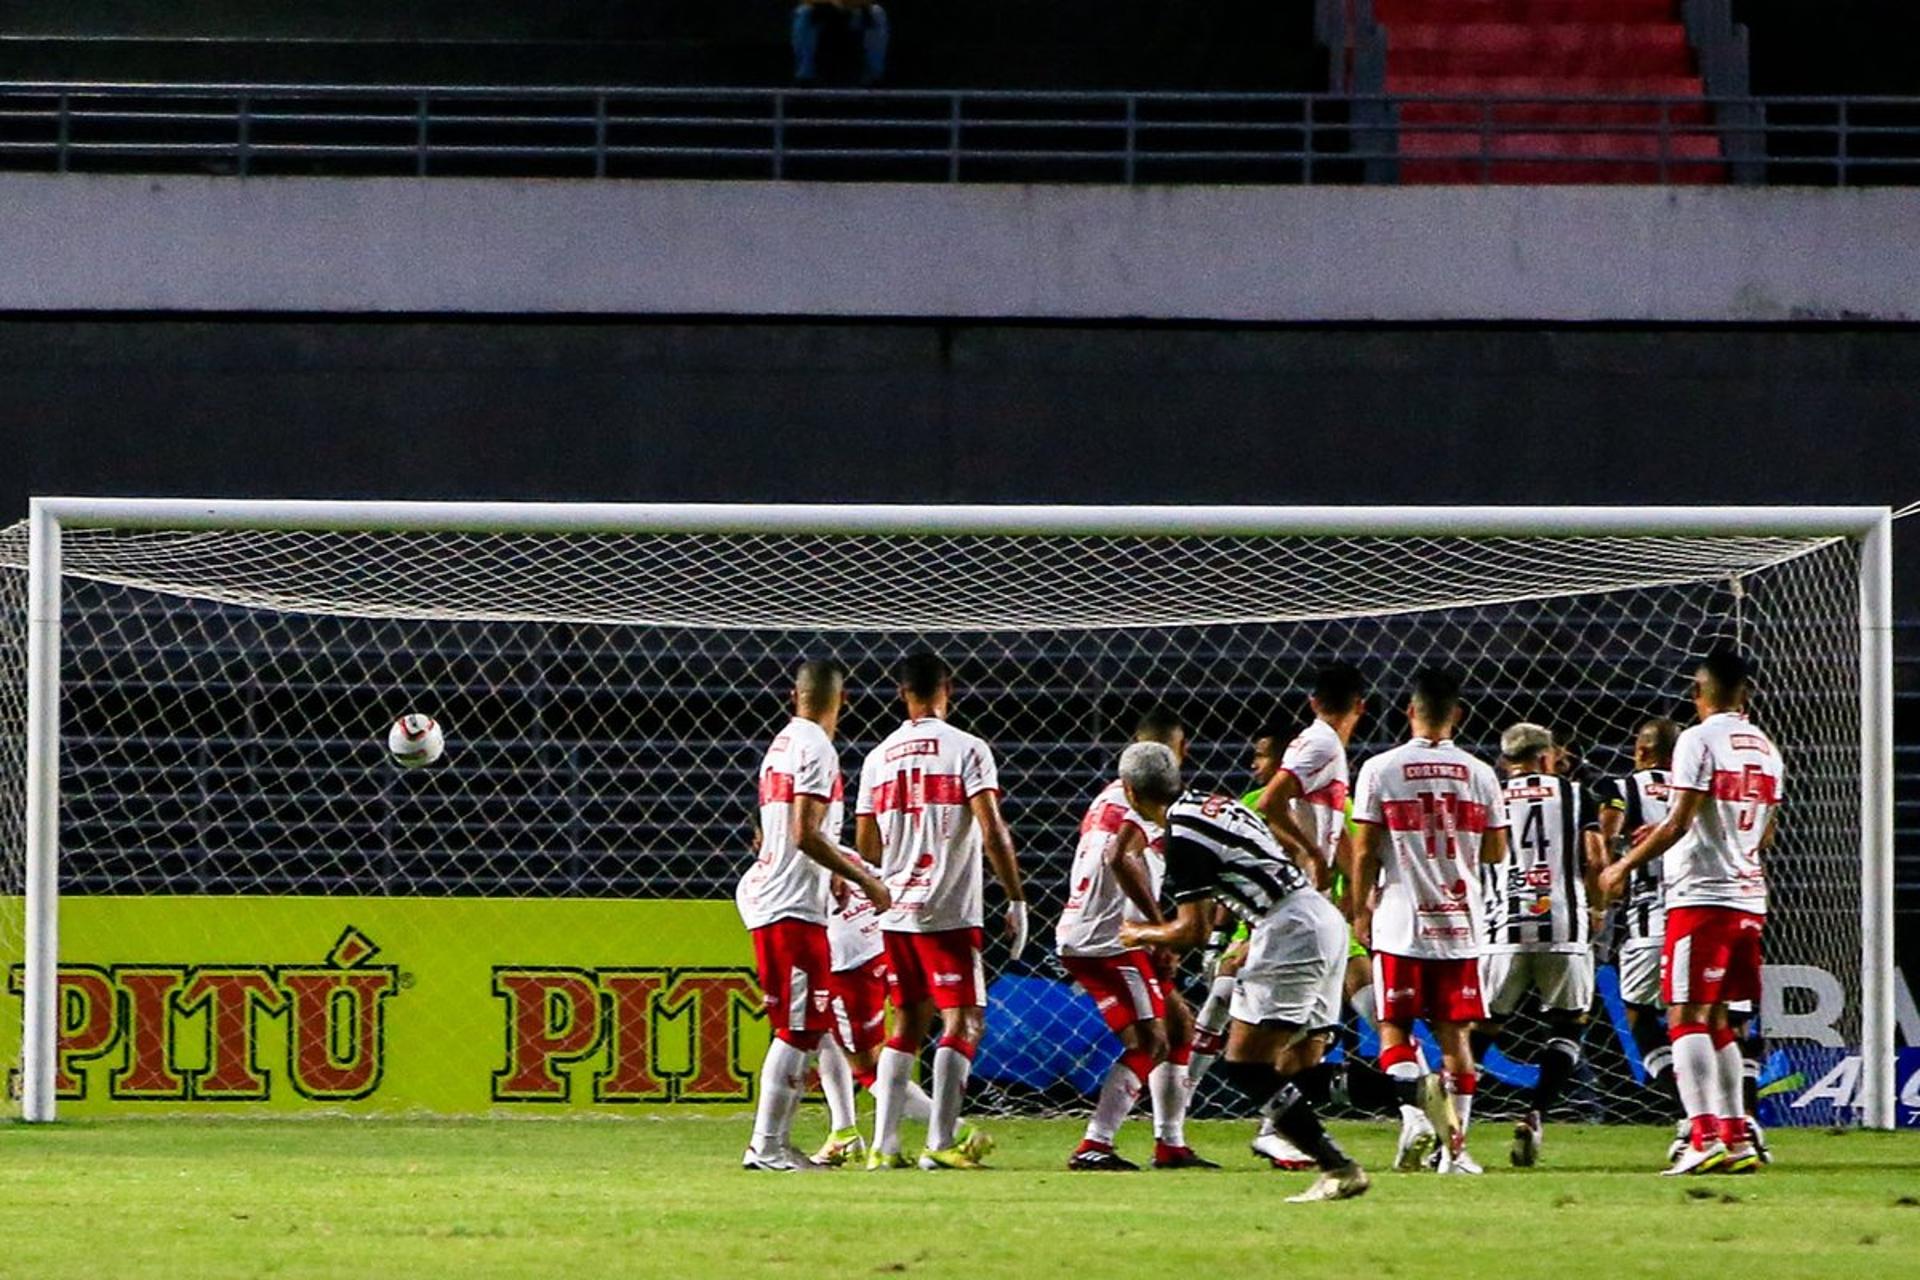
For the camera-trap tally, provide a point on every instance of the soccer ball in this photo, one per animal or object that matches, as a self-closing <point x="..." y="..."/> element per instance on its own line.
<point x="415" y="741"/>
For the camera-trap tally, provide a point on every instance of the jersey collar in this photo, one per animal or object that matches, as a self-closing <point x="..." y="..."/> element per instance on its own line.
<point x="1725" y="715"/>
<point x="1430" y="742"/>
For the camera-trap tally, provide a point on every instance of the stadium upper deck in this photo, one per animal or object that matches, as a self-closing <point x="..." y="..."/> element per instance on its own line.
<point x="1321" y="91"/>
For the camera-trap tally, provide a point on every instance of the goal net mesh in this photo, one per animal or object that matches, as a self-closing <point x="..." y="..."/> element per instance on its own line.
<point x="225" y="698"/>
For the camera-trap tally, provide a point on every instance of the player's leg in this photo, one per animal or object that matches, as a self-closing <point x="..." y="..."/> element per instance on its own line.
<point x="843" y="1122"/>
<point x="1252" y="1062"/>
<point x="1425" y="1116"/>
<point x="1288" y="991"/>
<point x="793" y="963"/>
<point x="1454" y="1004"/>
<point x="1125" y="1081"/>
<point x="1169" y="1084"/>
<point x="1210" y="1024"/>
<point x="1639" y="968"/>
<point x="1740" y="1018"/>
<point x="1693" y="968"/>
<point x="1131" y="1011"/>
<point x="1742" y="984"/>
<point x="912" y="996"/>
<point x="959" y="990"/>
<point x="1564" y="983"/>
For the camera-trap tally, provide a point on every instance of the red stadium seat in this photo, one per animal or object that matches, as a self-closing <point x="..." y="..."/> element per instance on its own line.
<point x="1529" y="53"/>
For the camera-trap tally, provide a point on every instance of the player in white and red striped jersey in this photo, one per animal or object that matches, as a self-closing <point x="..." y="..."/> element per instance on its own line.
<point x="928" y="812"/>
<point x="1115" y="878"/>
<point x="859" y="1007"/>
<point x="1728" y="782"/>
<point x="783" y="899"/>
<point x="1431" y="816"/>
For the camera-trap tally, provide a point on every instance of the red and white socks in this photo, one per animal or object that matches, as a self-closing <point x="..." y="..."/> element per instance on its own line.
<point x="1118" y="1092"/>
<point x="1171" y="1089"/>
<point x="1697" y="1072"/>
<point x="952" y="1064"/>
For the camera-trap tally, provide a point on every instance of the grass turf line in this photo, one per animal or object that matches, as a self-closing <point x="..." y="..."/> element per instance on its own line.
<point x="666" y="1197"/>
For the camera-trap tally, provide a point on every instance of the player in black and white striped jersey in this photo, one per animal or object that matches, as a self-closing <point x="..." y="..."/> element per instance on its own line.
<point x="1632" y="807"/>
<point x="1539" y="934"/>
<point x="1287" y="993"/>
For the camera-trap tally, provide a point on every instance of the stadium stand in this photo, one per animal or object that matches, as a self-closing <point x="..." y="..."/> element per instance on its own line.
<point x="1538" y="51"/>
<point x="1055" y="45"/>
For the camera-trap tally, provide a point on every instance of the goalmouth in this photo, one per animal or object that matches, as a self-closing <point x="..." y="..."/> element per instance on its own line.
<point x="601" y="651"/>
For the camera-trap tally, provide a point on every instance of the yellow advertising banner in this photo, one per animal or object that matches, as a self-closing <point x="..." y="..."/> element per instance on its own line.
<point x="397" y="1005"/>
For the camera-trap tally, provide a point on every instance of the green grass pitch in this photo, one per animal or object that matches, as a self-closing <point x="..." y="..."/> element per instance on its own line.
<point x="666" y="1198"/>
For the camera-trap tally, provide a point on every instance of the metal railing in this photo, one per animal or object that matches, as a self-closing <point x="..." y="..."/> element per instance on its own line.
<point x="957" y="136"/>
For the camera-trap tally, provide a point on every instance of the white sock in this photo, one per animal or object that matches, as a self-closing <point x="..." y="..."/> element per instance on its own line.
<point x="1209" y="1025"/>
<point x="1462" y="1107"/>
<point x="889" y="1095"/>
<point x="782" y="1076"/>
<point x="1410" y="1115"/>
<point x="1362" y="1002"/>
<point x="950" y="1070"/>
<point x="1697" y="1071"/>
<point x="836" y="1081"/>
<point x="1168" y="1085"/>
<point x="1117" y="1095"/>
<point x="919" y="1107"/>
<point x="1732" y="1066"/>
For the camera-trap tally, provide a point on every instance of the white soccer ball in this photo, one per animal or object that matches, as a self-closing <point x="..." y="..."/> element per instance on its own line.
<point x="415" y="741"/>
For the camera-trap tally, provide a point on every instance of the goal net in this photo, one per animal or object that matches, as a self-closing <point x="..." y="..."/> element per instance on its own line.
<point x="258" y="911"/>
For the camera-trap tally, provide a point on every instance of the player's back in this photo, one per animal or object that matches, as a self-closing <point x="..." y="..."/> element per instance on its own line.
<point x="1436" y="804"/>
<point x="1318" y="761"/>
<point x="783" y="883"/>
<point x="1219" y="848"/>
<point x="1718" y="862"/>
<point x="1645" y="797"/>
<point x="1096" y="905"/>
<point x="1537" y="899"/>
<point x="918" y="786"/>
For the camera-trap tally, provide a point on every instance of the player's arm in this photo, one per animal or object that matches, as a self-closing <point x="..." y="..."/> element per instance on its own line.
<point x="1186" y="931"/>
<point x="1126" y="858"/>
<point x="866" y="839"/>
<point x="1594" y="863"/>
<point x="1679" y="820"/>
<point x="1347" y="853"/>
<point x="1276" y="806"/>
<point x="1493" y="846"/>
<point x="809" y="812"/>
<point x="998" y="839"/>
<point x="1368" y="850"/>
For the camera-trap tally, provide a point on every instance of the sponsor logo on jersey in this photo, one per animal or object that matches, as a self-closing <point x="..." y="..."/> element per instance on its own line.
<point x="1433" y="769"/>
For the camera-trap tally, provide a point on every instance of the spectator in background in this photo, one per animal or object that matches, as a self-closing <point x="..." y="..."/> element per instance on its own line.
<point x="818" y="22"/>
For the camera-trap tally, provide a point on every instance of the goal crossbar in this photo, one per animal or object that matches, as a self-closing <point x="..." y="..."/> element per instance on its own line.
<point x="1868" y="526"/>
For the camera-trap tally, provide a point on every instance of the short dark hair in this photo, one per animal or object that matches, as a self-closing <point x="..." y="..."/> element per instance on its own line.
<point x="1338" y="686"/>
<point x="1160" y="724"/>
<point x="817" y="675"/>
<point x="922" y="673"/>
<point x="1729" y="670"/>
<point x="1436" y="694"/>
<point x="1664" y="734"/>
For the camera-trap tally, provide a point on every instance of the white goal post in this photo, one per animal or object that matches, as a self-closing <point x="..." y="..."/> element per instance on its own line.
<point x="53" y="521"/>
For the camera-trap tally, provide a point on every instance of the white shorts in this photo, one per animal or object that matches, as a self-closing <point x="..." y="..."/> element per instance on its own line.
<point x="1563" y="979"/>
<point x="1639" y="964"/>
<point x="1296" y="966"/>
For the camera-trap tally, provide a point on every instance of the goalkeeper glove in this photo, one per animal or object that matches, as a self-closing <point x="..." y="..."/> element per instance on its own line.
<point x="1016" y="928"/>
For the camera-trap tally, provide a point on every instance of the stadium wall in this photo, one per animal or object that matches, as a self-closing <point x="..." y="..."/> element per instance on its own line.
<point x="1253" y="254"/>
